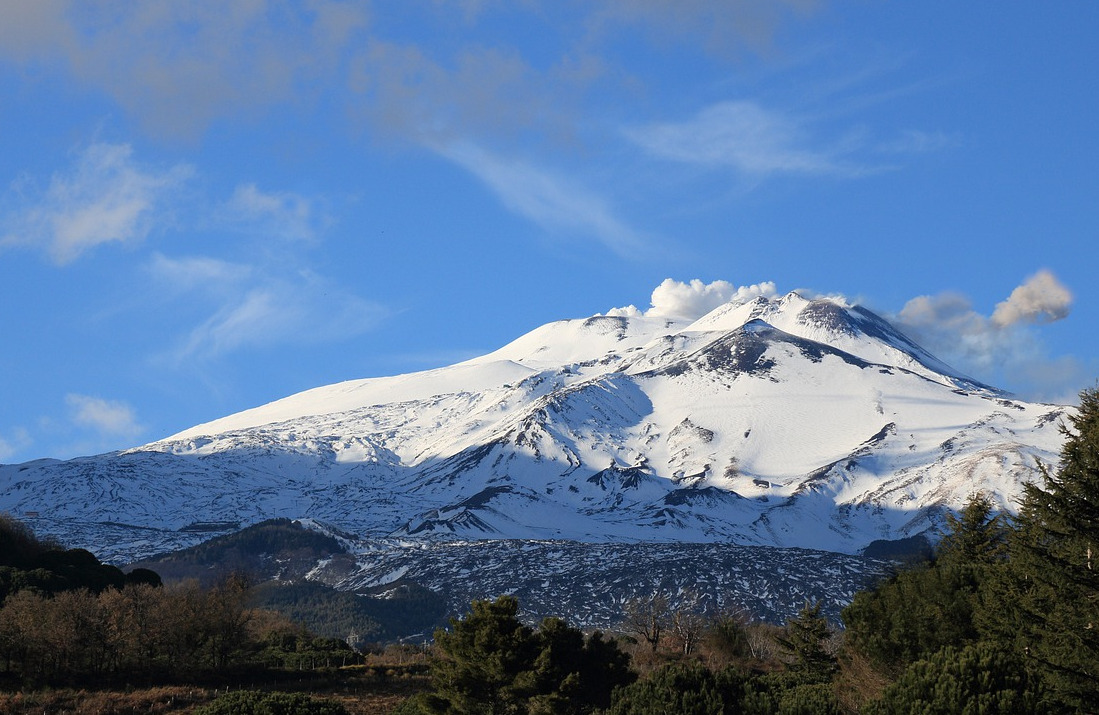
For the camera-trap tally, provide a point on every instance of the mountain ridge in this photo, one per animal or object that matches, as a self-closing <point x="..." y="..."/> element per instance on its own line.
<point x="787" y="422"/>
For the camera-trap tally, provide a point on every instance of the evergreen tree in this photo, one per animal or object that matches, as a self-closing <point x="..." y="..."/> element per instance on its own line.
<point x="979" y="679"/>
<point x="489" y="662"/>
<point x="1054" y="571"/>
<point x="571" y="674"/>
<point x="482" y="655"/>
<point x="1008" y="593"/>
<point x="805" y="640"/>
<point x="18" y="544"/>
<point x="682" y="688"/>
<point x="787" y="693"/>
<point x="924" y="609"/>
<point x="975" y="538"/>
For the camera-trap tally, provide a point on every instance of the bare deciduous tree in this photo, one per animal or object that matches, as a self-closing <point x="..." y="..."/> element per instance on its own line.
<point x="648" y="617"/>
<point x="688" y="621"/>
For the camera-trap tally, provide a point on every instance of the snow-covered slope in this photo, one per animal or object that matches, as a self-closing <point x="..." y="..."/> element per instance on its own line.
<point x="787" y="422"/>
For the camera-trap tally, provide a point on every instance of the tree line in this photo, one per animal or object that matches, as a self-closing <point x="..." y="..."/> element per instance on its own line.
<point x="67" y="618"/>
<point x="152" y="634"/>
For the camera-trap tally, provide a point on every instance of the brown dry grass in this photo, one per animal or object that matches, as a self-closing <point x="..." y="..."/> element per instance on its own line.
<point x="362" y="690"/>
<point x="858" y="681"/>
<point x="175" y="699"/>
<point x="377" y="690"/>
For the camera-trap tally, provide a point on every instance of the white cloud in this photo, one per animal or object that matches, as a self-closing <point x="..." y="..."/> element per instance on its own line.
<point x="105" y="197"/>
<point x="14" y="443"/>
<point x="176" y="66"/>
<point x="279" y="214"/>
<point x="550" y="201"/>
<point x="1000" y="347"/>
<point x="914" y="141"/>
<point x="108" y="418"/>
<point x="263" y="311"/>
<point x="197" y="272"/>
<point x="689" y="301"/>
<point x="1041" y="298"/>
<point x="275" y="299"/>
<point x="742" y="136"/>
<point x="1003" y="351"/>
<point x="723" y="27"/>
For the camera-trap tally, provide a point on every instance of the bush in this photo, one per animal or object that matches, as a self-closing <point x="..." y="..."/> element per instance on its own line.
<point x="248" y="702"/>
<point x="979" y="678"/>
<point x="683" y="688"/>
<point x="788" y="693"/>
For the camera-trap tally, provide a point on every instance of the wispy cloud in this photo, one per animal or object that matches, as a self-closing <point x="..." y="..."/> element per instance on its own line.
<point x="280" y="214"/>
<point x="914" y="141"/>
<point x="197" y="272"/>
<point x="105" y="197"/>
<point x="177" y="66"/>
<point x="551" y="201"/>
<point x="273" y="298"/>
<point x="725" y="26"/>
<point x="108" y="418"/>
<point x="14" y="443"/>
<point x="747" y="138"/>
<point x="278" y="312"/>
<point x="255" y="306"/>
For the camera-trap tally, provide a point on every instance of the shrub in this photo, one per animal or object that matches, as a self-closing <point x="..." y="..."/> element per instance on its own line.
<point x="249" y="702"/>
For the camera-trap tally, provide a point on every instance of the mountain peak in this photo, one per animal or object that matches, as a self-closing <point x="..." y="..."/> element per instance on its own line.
<point x="792" y="421"/>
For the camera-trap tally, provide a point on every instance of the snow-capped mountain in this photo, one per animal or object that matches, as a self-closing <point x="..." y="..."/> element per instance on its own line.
<point x="787" y="422"/>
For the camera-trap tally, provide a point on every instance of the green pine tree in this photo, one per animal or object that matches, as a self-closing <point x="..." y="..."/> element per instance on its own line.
<point x="979" y="679"/>
<point x="1054" y="570"/>
<point x="976" y="537"/>
<point x="490" y="663"/>
<point x="804" y="641"/>
<point x="924" y="609"/>
<point x="481" y="657"/>
<point x="683" y="688"/>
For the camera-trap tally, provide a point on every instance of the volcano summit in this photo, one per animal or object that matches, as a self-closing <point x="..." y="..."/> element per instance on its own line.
<point x="789" y="422"/>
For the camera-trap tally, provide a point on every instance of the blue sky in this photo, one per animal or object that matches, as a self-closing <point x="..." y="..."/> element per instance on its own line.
<point x="206" y="206"/>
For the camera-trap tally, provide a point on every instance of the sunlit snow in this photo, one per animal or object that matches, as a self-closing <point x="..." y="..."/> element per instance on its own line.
<point x="781" y="422"/>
